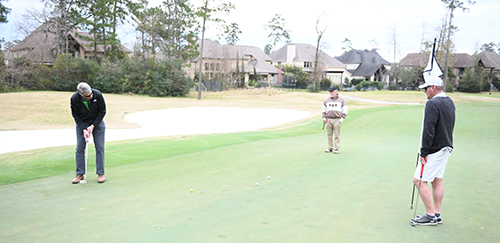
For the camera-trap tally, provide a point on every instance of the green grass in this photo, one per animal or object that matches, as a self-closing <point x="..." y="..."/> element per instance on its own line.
<point x="360" y="195"/>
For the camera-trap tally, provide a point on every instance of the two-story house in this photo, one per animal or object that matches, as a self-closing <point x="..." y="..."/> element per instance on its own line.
<point x="304" y="55"/>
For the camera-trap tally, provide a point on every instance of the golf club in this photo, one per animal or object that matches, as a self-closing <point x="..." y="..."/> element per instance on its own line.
<point x="319" y="145"/>
<point x="413" y="192"/>
<point x="86" y="156"/>
<point x="419" y="183"/>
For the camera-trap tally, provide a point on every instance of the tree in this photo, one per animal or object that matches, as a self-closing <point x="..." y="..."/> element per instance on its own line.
<point x="232" y="31"/>
<point x="278" y="31"/>
<point x="178" y="30"/>
<point x="139" y="16"/>
<point x="393" y="39"/>
<point x="268" y="48"/>
<point x="451" y="6"/>
<point x="374" y="43"/>
<point x="3" y="12"/>
<point x="347" y="45"/>
<point x="208" y="15"/>
<point x="473" y="80"/>
<point x="317" y="71"/>
<point x="492" y="46"/>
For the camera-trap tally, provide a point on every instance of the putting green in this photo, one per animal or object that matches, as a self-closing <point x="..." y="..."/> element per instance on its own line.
<point x="362" y="194"/>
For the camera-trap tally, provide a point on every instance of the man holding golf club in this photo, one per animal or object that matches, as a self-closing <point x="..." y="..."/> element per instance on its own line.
<point x="334" y="112"/>
<point x="436" y="147"/>
<point x="88" y="109"/>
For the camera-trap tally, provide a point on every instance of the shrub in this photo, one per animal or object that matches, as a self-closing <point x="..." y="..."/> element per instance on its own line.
<point x="472" y="80"/>
<point x="376" y="84"/>
<point x="496" y="82"/>
<point x="356" y="81"/>
<point x="365" y="85"/>
<point x="393" y="87"/>
<point x="110" y="79"/>
<point x="69" y="71"/>
<point x="325" y="84"/>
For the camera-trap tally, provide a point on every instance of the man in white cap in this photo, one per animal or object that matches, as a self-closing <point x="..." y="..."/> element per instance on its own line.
<point x="437" y="144"/>
<point x="334" y="112"/>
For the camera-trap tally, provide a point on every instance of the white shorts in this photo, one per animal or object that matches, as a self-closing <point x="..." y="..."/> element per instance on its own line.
<point x="435" y="167"/>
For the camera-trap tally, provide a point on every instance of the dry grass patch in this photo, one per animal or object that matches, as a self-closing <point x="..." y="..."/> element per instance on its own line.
<point x="51" y="110"/>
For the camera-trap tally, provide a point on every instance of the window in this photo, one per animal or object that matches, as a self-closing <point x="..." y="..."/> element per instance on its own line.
<point x="211" y="66"/>
<point x="217" y="67"/>
<point x="307" y="64"/>
<point x="206" y="66"/>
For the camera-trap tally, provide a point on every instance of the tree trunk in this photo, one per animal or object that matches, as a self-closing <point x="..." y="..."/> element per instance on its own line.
<point x="447" y="50"/>
<point x="201" y="50"/>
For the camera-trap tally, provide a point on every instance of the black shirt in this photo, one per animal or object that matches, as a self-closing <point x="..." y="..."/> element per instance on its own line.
<point x="93" y="115"/>
<point x="439" y="122"/>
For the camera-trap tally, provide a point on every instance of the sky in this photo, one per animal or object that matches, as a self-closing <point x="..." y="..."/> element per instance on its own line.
<point x="361" y="21"/>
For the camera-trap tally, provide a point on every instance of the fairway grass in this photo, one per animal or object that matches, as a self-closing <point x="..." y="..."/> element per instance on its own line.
<point x="361" y="194"/>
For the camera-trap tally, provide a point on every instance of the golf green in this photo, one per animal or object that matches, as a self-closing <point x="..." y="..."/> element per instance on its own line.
<point x="362" y="194"/>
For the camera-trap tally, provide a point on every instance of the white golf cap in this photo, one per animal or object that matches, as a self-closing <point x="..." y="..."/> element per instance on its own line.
<point x="436" y="81"/>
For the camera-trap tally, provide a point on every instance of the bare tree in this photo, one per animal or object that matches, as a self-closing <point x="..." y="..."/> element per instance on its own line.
<point x="207" y="14"/>
<point x="317" y="71"/>
<point x="451" y="6"/>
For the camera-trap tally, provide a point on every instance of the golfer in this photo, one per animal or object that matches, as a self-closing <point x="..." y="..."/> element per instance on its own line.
<point x="334" y="112"/>
<point x="437" y="144"/>
<point x="88" y="109"/>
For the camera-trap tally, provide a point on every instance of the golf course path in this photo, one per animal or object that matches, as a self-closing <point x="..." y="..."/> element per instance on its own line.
<point x="157" y="123"/>
<point x="379" y="101"/>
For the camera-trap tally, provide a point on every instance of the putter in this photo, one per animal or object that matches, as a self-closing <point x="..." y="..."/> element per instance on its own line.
<point x="416" y="203"/>
<point x="413" y="192"/>
<point x="319" y="145"/>
<point x="86" y="156"/>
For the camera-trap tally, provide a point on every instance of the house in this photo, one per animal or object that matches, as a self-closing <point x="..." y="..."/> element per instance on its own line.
<point x="490" y="61"/>
<point x="303" y="55"/>
<point x="414" y="60"/>
<point x="458" y="61"/>
<point x="367" y="65"/>
<point x="40" y="46"/>
<point x="226" y="61"/>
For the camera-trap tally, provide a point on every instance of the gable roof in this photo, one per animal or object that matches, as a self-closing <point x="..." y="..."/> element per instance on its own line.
<point x="489" y="59"/>
<point x="461" y="60"/>
<point x="457" y="60"/>
<point x="415" y="60"/>
<point x="305" y="52"/>
<point x="213" y="50"/>
<point x="41" y="44"/>
<point x="369" y="61"/>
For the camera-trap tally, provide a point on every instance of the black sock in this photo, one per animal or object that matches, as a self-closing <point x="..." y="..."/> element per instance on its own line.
<point x="437" y="214"/>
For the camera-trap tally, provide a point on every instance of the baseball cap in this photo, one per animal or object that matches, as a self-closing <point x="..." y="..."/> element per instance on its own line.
<point x="332" y="89"/>
<point x="436" y="81"/>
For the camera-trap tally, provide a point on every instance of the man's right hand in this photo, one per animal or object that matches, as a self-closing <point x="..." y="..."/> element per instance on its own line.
<point x="325" y="120"/>
<point x="86" y="134"/>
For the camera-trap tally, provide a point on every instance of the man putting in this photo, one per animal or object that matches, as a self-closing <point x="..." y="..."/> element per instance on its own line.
<point x="88" y="109"/>
<point x="334" y="112"/>
<point x="437" y="144"/>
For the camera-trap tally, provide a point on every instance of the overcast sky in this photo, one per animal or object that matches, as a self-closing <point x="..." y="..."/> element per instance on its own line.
<point x="358" y="20"/>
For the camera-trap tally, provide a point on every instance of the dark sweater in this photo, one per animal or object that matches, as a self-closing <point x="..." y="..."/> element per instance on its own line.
<point x="439" y="121"/>
<point x="93" y="115"/>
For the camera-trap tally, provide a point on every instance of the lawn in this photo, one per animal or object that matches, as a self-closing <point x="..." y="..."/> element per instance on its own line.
<point x="362" y="194"/>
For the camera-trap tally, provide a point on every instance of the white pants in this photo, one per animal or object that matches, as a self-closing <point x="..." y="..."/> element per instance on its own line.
<point x="435" y="167"/>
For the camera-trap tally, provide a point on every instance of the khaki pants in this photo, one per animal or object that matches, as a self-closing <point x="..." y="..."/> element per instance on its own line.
<point x="333" y="126"/>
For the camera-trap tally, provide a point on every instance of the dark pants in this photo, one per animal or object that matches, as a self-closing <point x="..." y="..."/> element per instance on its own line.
<point x="98" y="135"/>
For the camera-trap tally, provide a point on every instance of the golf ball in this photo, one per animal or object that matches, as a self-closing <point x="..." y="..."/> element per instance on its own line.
<point x="268" y="177"/>
<point x="256" y="184"/>
<point x="191" y="190"/>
